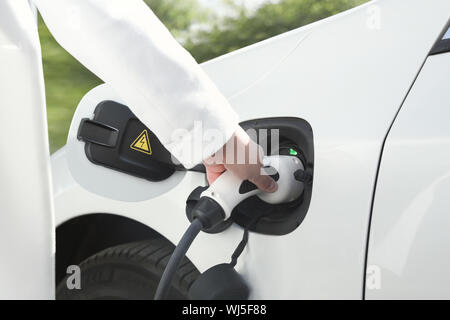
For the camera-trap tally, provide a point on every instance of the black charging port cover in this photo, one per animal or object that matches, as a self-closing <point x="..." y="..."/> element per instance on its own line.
<point x="115" y="138"/>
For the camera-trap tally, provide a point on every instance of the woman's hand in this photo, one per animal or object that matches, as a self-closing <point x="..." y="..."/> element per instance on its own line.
<point x="243" y="157"/>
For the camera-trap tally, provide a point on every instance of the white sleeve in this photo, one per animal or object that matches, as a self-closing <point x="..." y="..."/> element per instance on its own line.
<point x="125" y="44"/>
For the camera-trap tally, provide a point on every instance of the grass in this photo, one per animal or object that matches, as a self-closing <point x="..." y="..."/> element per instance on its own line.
<point x="66" y="82"/>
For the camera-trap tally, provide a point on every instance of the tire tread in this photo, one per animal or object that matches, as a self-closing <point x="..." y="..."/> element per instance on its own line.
<point x="150" y="255"/>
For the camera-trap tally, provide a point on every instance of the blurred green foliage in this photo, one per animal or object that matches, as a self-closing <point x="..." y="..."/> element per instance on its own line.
<point x="67" y="80"/>
<point x="269" y="20"/>
<point x="179" y="15"/>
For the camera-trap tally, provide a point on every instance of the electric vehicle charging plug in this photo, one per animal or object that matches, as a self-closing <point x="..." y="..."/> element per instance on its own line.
<point x="218" y="201"/>
<point x="228" y="190"/>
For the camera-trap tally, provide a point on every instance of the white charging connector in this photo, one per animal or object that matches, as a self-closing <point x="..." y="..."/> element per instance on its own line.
<point x="228" y="190"/>
<point x="289" y="188"/>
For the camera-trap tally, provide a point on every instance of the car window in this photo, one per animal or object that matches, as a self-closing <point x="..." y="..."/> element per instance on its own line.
<point x="446" y="35"/>
<point x="443" y="45"/>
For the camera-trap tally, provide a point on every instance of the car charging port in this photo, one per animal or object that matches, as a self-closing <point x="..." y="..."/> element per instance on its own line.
<point x="294" y="138"/>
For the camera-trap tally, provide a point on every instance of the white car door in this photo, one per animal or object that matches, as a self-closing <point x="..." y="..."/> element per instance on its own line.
<point x="408" y="254"/>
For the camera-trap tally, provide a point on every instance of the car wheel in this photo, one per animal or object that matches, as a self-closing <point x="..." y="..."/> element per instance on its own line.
<point x="130" y="271"/>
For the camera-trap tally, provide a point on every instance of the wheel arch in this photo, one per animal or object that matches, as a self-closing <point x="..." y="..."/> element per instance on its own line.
<point x="80" y="237"/>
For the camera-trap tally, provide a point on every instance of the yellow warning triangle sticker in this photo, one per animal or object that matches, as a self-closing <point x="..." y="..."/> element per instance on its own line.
<point x="142" y="143"/>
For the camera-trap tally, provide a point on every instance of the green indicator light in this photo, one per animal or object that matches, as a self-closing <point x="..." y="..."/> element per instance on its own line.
<point x="292" y="152"/>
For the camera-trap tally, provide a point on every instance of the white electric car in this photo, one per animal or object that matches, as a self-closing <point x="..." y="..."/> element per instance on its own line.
<point x="362" y="98"/>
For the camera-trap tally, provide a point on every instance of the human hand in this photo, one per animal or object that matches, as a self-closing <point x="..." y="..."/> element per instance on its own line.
<point x="243" y="157"/>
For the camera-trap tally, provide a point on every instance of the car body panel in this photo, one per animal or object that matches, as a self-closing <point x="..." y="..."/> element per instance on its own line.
<point x="409" y="238"/>
<point x="346" y="76"/>
<point x="26" y="206"/>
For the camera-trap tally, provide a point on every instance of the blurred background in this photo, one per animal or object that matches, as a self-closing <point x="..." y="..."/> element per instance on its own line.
<point x="206" y="28"/>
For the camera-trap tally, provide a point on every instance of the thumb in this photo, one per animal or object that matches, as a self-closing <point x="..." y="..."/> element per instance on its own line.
<point x="265" y="183"/>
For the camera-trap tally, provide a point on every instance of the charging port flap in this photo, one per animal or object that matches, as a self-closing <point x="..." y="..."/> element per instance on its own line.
<point x="116" y="139"/>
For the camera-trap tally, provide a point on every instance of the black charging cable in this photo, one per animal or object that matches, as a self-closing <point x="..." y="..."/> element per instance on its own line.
<point x="206" y="214"/>
<point x="241" y="246"/>
<point x="178" y="254"/>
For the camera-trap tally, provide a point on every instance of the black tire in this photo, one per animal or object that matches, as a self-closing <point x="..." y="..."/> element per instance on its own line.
<point x="130" y="271"/>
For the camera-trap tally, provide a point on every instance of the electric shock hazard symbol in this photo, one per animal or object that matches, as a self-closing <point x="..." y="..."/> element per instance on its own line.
<point x="142" y="143"/>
